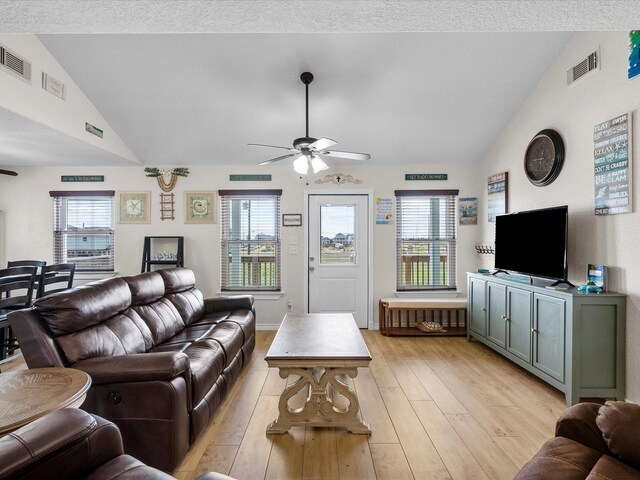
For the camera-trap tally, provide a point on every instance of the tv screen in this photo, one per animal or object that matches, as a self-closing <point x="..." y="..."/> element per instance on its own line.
<point x="533" y="242"/>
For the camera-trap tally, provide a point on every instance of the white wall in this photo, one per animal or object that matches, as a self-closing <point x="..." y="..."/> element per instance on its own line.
<point x="35" y="103"/>
<point x="573" y="112"/>
<point x="26" y="221"/>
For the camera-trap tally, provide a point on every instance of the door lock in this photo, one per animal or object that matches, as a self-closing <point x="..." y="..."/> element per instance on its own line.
<point x="311" y="269"/>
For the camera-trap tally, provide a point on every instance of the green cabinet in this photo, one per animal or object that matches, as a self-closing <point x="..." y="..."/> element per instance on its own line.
<point x="573" y="341"/>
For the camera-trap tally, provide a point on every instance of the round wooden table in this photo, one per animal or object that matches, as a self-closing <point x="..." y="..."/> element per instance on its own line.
<point x="26" y="395"/>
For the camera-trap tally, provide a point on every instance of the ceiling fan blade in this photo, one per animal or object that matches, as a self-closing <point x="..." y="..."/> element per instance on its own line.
<point x="272" y="146"/>
<point x="347" y="155"/>
<point x="277" y="159"/>
<point x="8" y="172"/>
<point x="322" y="144"/>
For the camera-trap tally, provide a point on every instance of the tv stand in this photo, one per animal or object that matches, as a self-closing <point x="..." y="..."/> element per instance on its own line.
<point x="560" y="282"/>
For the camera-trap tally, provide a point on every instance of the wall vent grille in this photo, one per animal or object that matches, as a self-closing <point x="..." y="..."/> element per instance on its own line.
<point x="15" y="64"/>
<point x="591" y="64"/>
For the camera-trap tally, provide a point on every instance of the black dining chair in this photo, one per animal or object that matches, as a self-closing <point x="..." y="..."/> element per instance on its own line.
<point x="16" y="292"/>
<point x="54" y="278"/>
<point x="29" y="263"/>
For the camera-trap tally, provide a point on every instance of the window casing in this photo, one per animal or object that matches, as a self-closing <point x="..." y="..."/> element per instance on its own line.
<point x="250" y="240"/>
<point x="425" y="239"/>
<point x="83" y="229"/>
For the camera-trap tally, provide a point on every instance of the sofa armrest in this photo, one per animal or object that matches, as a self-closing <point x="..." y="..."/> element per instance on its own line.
<point x="139" y="367"/>
<point x="578" y="423"/>
<point x="69" y="442"/>
<point x="235" y="302"/>
<point x="620" y="426"/>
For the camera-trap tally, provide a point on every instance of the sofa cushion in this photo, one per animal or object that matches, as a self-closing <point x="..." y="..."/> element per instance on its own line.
<point x="207" y="362"/>
<point x="243" y="318"/>
<point x="145" y="288"/>
<point x="179" y="284"/>
<point x="609" y="468"/>
<point x="560" y="458"/>
<point x="121" y="334"/>
<point x="84" y="306"/>
<point x="229" y="336"/>
<point x="620" y="426"/>
<point x="162" y="318"/>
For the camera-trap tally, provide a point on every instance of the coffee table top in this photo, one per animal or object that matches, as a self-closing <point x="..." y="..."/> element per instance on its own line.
<point x="322" y="339"/>
<point x="26" y="395"/>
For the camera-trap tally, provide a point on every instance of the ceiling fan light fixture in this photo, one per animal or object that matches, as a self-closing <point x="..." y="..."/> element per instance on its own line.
<point x="301" y="165"/>
<point x="317" y="164"/>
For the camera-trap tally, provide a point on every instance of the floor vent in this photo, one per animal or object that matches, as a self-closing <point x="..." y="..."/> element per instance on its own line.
<point x="15" y="64"/>
<point x="591" y="64"/>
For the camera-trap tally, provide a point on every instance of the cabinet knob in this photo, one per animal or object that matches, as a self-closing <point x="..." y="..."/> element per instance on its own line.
<point x="505" y="318"/>
<point x="533" y="330"/>
<point x="484" y="309"/>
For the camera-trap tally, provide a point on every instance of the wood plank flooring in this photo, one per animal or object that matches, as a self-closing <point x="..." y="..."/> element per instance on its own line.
<point x="438" y="407"/>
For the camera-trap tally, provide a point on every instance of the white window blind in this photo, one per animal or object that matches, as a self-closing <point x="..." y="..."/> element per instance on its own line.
<point x="425" y="239"/>
<point x="250" y="239"/>
<point x="83" y="230"/>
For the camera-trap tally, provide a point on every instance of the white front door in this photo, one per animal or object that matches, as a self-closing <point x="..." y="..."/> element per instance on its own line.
<point x="338" y="263"/>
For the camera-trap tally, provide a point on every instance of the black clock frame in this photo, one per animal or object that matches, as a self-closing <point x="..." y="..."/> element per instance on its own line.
<point x="558" y="160"/>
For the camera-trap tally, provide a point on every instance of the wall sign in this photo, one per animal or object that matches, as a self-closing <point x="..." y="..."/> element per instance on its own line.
<point x="497" y="195"/>
<point x="634" y="53"/>
<point x="468" y="210"/>
<point x="249" y="178"/>
<point x="426" y="176"/>
<point x="82" y="178"/>
<point x="612" y="165"/>
<point x="384" y="211"/>
<point x="92" y="129"/>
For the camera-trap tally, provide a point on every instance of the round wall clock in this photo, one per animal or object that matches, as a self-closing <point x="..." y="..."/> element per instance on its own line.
<point x="543" y="158"/>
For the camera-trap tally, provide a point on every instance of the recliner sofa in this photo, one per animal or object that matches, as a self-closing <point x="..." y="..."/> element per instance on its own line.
<point x="592" y="441"/>
<point x="72" y="443"/>
<point x="160" y="356"/>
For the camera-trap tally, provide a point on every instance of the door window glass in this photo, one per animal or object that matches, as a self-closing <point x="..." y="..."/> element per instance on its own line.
<point x="337" y="234"/>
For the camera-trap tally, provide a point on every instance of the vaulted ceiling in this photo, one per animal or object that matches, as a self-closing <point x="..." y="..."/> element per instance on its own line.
<point x="407" y="82"/>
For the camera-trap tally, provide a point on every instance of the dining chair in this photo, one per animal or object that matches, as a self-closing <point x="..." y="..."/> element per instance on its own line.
<point x="16" y="292"/>
<point x="54" y="278"/>
<point x="29" y="263"/>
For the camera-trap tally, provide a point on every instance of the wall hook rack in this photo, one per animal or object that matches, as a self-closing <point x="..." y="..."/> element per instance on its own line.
<point x="485" y="250"/>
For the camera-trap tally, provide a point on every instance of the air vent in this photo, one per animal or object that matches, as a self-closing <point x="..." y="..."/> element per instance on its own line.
<point x="15" y="64"/>
<point x="591" y="64"/>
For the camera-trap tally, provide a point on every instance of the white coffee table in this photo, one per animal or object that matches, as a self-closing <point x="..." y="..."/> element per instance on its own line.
<point x="319" y="348"/>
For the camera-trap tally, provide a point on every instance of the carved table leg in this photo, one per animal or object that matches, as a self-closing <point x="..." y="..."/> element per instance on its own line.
<point x="319" y="409"/>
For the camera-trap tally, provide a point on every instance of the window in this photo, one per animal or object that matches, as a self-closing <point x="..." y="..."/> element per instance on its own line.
<point x="83" y="229"/>
<point x="250" y="243"/>
<point x="425" y="239"/>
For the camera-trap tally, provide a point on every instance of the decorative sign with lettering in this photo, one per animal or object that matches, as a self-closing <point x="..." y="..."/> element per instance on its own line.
<point x="612" y="165"/>
<point x="93" y="130"/>
<point x="82" y="178"/>
<point x="497" y="195"/>
<point x="426" y="176"/>
<point x="249" y="178"/>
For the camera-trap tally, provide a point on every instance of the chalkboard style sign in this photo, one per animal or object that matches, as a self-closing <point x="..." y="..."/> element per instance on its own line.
<point x="612" y="165"/>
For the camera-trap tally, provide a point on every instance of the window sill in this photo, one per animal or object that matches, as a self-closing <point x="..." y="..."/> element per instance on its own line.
<point x="256" y="295"/>
<point x="429" y="294"/>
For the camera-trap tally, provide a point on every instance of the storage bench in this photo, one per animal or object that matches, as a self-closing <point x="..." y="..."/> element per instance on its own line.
<point x="400" y="316"/>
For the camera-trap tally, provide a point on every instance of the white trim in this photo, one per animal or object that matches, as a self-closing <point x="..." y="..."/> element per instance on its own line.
<point x="305" y="277"/>
<point x="256" y="295"/>
<point x="428" y="294"/>
<point x="267" y="326"/>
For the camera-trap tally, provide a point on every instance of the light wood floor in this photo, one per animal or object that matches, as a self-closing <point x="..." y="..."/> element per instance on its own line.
<point x="438" y="408"/>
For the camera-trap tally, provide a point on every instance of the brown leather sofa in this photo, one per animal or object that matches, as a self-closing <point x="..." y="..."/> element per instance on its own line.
<point x="160" y="356"/>
<point x="592" y="441"/>
<point x="72" y="443"/>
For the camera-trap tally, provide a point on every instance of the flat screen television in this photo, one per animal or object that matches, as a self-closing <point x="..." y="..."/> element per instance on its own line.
<point x="533" y="242"/>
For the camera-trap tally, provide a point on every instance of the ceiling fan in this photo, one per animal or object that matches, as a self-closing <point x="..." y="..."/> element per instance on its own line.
<point x="8" y="172"/>
<point x="309" y="150"/>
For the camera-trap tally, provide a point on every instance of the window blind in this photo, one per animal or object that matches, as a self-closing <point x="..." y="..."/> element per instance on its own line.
<point x="83" y="229"/>
<point x="425" y="239"/>
<point x="250" y="240"/>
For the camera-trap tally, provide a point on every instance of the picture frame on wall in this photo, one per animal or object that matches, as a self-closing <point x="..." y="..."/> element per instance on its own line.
<point x="134" y="207"/>
<point x="200" y="207"/>
<point x="291" y="219"/>
<point x="497" y="188"/>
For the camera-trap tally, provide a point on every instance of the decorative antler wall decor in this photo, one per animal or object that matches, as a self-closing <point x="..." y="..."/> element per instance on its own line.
<point x="160" y="175"/>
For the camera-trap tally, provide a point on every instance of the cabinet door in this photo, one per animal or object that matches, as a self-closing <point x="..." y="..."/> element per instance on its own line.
<point x="477" y="309"/>
<point x="519" y="323"/>
<point x="496" y="313"/>
<point x="549" y="326"/>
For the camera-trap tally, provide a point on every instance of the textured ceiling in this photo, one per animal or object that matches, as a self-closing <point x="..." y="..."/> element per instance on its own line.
<point x="402" y="80"/>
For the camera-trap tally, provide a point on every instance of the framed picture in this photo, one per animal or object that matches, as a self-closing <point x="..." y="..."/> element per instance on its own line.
<point x="291" y="219"/>
<point x="135" y="207"/>
<point x="497" y="187"/>
<point x="200" y="207"/>
<point x="468" y="210"/>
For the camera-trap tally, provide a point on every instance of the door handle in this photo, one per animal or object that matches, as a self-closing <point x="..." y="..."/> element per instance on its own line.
<point x="311" y="269"/>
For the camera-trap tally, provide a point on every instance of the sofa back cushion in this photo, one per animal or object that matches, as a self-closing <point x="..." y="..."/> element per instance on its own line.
<point x="157" y="312"/>
<point x="619" y="423"/>
<point x="180" y="290"/>
<point x="95" y="320"/>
